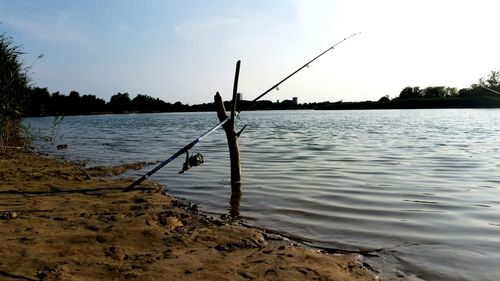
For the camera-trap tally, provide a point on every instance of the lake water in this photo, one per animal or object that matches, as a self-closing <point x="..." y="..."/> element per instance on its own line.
<point x="420" y="186"/>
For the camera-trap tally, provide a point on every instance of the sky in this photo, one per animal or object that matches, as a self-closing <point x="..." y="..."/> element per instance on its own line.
<point x="187" y="50"/>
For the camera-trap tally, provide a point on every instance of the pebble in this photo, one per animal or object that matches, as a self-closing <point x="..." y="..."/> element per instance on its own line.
<point x="8" y="215"/>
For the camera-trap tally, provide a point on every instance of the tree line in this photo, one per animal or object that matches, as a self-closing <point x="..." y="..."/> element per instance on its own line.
<point x="484" y="94"/>
<point x="42" y="103"/>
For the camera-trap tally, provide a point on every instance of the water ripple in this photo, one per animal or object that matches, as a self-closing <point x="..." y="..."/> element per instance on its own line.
<point x="421" y="185"/>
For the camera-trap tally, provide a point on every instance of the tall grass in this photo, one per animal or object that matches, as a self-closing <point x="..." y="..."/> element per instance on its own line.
<point x="14" y="83"/>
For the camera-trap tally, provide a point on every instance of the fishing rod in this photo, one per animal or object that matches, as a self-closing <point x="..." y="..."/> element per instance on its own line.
<point x="305" y="65"/>
<point x="490" y="90"/>
<point x="177" y="154"/>
<point x="193" y="143"/>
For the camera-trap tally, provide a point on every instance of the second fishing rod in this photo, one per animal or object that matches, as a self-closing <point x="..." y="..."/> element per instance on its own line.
<point x="275" y="86"/>
<point x="211" y="130"/>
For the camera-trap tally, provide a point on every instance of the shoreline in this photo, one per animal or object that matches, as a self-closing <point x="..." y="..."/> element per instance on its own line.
<point x="61" y="221"/>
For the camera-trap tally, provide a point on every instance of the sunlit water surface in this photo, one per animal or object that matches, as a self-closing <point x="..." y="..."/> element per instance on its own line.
<point x="421" y="186"/>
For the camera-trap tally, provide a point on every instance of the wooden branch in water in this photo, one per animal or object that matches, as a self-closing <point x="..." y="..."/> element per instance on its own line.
<point x="229" y="128"/>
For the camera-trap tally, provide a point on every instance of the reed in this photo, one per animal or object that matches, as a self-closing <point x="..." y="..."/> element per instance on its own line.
<point x="14" y="85"/>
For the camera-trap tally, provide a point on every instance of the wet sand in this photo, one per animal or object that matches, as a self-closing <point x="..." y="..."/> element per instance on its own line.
<point x="61" y="221"/>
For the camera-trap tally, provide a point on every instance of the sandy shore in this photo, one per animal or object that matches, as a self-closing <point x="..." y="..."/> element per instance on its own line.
<point x="60" y="221"/>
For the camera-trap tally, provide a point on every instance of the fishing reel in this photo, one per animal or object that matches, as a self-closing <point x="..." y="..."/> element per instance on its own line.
<point x="191" y="161"/>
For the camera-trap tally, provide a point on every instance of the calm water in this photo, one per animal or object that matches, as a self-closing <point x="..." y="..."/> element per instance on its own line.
<point x="422" y="186"/>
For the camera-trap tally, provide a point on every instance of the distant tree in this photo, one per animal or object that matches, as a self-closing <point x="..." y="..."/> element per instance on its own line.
<point x="491" y="83"/>
<point x="493" y="80"/>
<point x="145" y="103"/>
<point x="485" y="87"/>
<point x="384" y="99"/>
<point x="203" y="107"/>
<point x="72" y="104"/>
<point x="119" y="103"/>
<point x="74" y="95"/>
<point x="41" y="103"/>
<point x="178" y="106"/>
<point x="451" y="92"/>
<point x="435" y="92"/>
<point x="91" y="104"/>
<point x="410" y="93"/>
<point x="58" y="104"/>
<point x="38" y="102"/>
<point x="264" y="104"/>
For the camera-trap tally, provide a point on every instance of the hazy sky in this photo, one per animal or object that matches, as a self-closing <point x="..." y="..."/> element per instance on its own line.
<point x="187" y="50"/>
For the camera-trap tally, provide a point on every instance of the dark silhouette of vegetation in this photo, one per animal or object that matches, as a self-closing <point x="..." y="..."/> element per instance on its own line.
<point x="14" y="84"/>
<point x="484" y="94"/>
<point x="42" y="103"/>
<point x="119" y="103"/>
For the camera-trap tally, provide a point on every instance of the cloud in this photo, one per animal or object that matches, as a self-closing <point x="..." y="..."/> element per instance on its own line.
<point x="57" y="28"/>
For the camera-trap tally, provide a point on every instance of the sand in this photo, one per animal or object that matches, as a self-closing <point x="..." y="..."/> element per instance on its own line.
<point x="61" y="221"/>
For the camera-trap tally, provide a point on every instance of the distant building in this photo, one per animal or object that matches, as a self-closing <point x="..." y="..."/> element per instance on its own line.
<point x="239" y="97"/>
<point x="295" y="100"/>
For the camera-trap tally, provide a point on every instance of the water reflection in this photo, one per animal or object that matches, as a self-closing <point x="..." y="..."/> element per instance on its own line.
<point x="234" y="201"/>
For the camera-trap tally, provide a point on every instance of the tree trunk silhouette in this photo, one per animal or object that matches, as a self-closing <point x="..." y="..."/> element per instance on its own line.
<point x="232" y="136"/>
